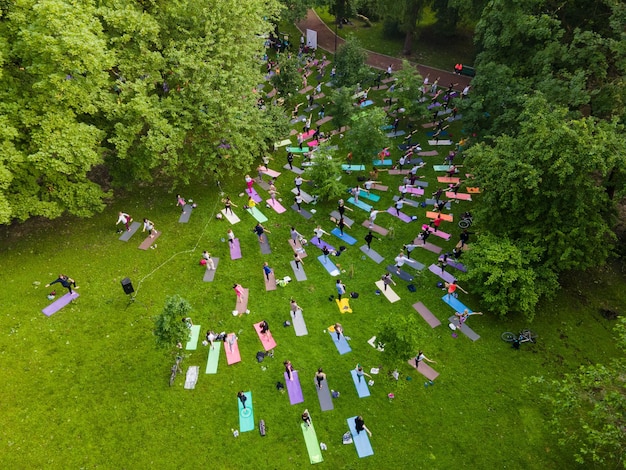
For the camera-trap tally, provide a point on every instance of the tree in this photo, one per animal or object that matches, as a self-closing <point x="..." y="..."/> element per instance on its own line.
<point x="342" y="106"/>
<point x="366" y="139"/>
<point x="407" y="12"/>
<point x="408" y="83"/>
<point x="588" y="409"/>
<point x="169" y="329"/>
<point x="400" y="336"/>
<point x="507" y="277"/>
<point x="350" y="63"/>
<point x="548" y="185"/>
<point x="288" y="80"/>
<point x="326" y="175"/>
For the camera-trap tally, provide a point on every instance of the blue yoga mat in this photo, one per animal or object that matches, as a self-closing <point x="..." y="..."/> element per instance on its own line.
<point x="361" y="440"/>
<point x="360" y="204"/>
<point x="342" y="345"/>
<point x="455" y="303"/>
<point x="366" y="103"/>
<point x="345" y="237"/>
<point x="353" y="167"/>
<point x="383" y="162"/>
<point x="328" y="265"/>
<point x="361" y="387"/>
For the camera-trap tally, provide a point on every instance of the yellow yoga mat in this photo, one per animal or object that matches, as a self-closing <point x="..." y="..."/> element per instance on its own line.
<point x="344" y="305"/>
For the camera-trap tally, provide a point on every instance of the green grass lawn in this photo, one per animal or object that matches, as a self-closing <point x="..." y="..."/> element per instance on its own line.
<point x="87" y="387"/>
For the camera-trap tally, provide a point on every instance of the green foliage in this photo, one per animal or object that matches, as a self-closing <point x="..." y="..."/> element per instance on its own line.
<point x="350" y="63"/>
<point x="548" y="185"/>
<point x="326" y="175"/>
<point x="504" y="276"/>
<point x="365" y="138"/>
<point x="289" y="80"/>
<point x="408" y="84"/>
<point x="400" y="335"/>
<point x="169" y="329"/>
<point x="588" y="409"/>
<point x="342" y="106"/>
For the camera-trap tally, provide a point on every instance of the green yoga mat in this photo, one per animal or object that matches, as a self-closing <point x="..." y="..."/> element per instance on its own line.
<point x="246" y="416"/>
<point x="192" y="344"/>
<point x="214" y="357"/>
<point x="257" y="214"/>
<point x="441" y="167"/>
<point x="298" y="149"/>
<point x="312" y="444"/>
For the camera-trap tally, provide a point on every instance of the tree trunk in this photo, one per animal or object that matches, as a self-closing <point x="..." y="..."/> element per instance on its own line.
<point x="410" y="24"/>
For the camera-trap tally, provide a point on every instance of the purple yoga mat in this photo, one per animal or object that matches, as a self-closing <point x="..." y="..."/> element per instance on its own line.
<point x="59" y="304"/>
<point x="294" y="389"/>
<point x="321" y="244"/>
<point x="235" y="249"/>
<point x="433" y="268"/>
<point x="403" y="217"/>
<point x="454" y="264"/>
<point x="254" y="195"/>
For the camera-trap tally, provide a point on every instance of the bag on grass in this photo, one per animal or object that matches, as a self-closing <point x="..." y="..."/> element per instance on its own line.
<point x="411" y="288"/>
<point x="354" y="295"/>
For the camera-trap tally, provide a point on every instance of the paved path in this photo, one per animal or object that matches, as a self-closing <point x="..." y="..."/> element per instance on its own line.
<point x="326" y="41"/>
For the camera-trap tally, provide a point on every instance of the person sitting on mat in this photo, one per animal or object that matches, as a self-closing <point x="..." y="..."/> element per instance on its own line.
<point x="289" y="369"/>
<point x="360" y="372"/>
<point x="242" y="398"/>
<point x="306" y="418"/>
<point x="65" y="281"/>
<point x="359" y="424"/>
<point x="320" y="376"/>
<point x="264" y="328"/>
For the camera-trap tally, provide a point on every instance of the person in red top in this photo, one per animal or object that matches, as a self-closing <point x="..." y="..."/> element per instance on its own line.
<point x="452" y="287"/>
<point x="436" y="222"/>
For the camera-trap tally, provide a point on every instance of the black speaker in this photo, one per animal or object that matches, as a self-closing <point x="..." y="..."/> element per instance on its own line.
<point x="127" y="286"/>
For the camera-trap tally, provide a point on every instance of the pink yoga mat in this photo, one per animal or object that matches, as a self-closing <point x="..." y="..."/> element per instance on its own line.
<point x="297" y="248"/>
<point x="232" y="357"/>
<point x="235" y="249"/>
<point x="427" y="315"/>
<point x="268" y="341"/>
<point x="277" y="206"/>
<point x="59" y="303"/>
<point x="448" y="179"/>
<point x="149" y="241"/>
<point x="424" y="369"/>
<point x="438" y="233"/>
<point x="417" y="191"/>
<point x="375" y="228"/>
<point x="427" y="246"/>
<point x="271" y="283"/>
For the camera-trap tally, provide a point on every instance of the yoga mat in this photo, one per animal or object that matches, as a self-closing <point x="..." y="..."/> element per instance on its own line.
<point x="59" y="303"/>
<point x="324" y="120"/>
<point x="380" y="187"/>
<point x="191" y="379"/>
<point x="421" y="184"/>
<point x="345" y="237"/>
<point x="455" y="303"/>
<point x="372" y="254"/>
<point x="428" y="153"/>
<point x="366" y="103"/>
<point x="441" y="167"/>
<point x="303" y="212"/>
<point x="346" y="220"/>
<point x="298" y="149"/>
<point x="297" y="248"/>
<point x="439" y="142"/>
<point x="268" y="341"/>
<point x="213" y="359"/>
<point x="323" y="395"/>
<point x="424" y="369"/>
<point x="402" y="216"/>
<point x="246" y="415"/>
<point x="414" y="264"/>
<point x="398" y="172"/>
<point x="396" y="134"/>
<point x="460" y="196"/>
<point x="432" y="201"/>
<point x="437" y="233"/>
<point x="372" y="197"/>
<point x="308" y="134"/>
<point x="360" y="204"/>
<point x="305" y="90"/>
<point x="277" y="206"/>
<point x="472" y="190"/>
<point x="448" y="179"/>
<point x="192" y="344"/>
<point x="271" y="283"/>
<point x="342" y="344"/>
<point x="254" y="195"/>
<point x="230" y="216"/>
<point x="271" y="173"/>
<point x="454" y="264"/>
<point x="298" y="273"/>
<point x="344" y="305"/>
<point x="283" y="143"/>
<point x="298" y="323"/>
<point x="446" y="276"/>
<point x="313" y="143"/>
<point x="434" y="215"/>
<point x="353" y="167"/>
<point x="402" y="274"/>
<point x="319" y="243"/>
<point x="387" y="162"/>
<point x="375" y="228"/>
<point x="235" y="249"/>
<point x="149" y="241"/>
<point x="295" y="169"/>
<point x="257" y="214"/>
<point x="389" y="293"/>
<point x="427" y="246"/>
<point x="427" y="315"/>
<point x="231" y="349"/>
<point x="361" y="440"/>
<point x="242" y="306"/>
<point x="432" y="133"/>
<point x="408" y="202"/>
<point x="361" y="387"/>
<point x="265" y="245"/>
<point x="184" y="217"/>
<point x="466" y="330"/>
<point x="312" y="444"/>
<point x="307" y="198"/>
<point x="209" y="274"/>
<point x="293" y="388"/>
<point x="129" y="233"/>
<point x="329" y="266"/>
<point x="416" y="191"/>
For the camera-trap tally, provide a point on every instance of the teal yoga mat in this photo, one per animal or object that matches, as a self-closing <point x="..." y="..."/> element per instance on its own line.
<point x="246" y="415"/>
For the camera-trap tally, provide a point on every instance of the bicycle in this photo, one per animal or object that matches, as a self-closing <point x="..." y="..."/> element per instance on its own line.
<point x="176" y="369"/>
<point x="524" y="336"/>
<point x="466" y="221"/>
